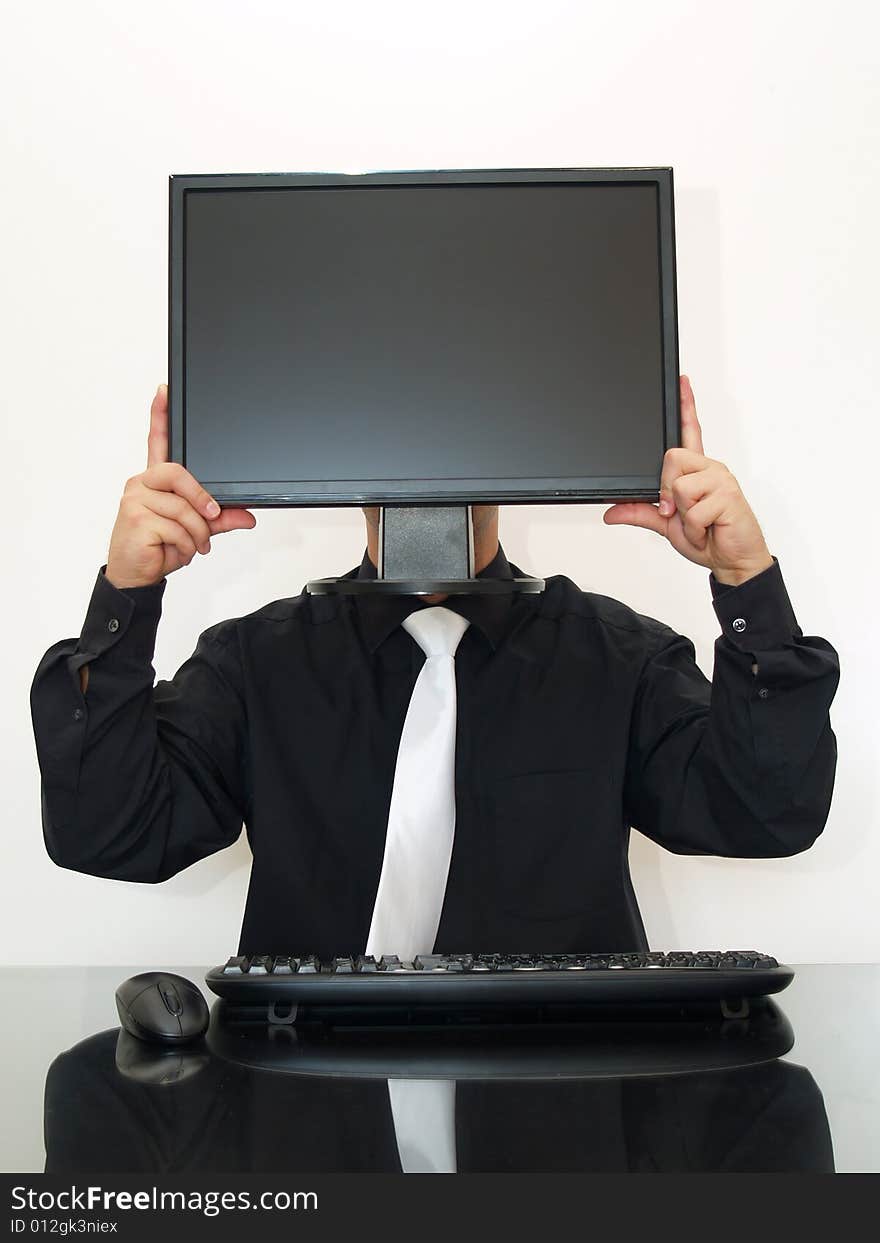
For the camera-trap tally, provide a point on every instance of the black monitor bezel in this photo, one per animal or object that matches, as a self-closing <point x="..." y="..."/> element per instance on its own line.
<point x="298" y="493"/>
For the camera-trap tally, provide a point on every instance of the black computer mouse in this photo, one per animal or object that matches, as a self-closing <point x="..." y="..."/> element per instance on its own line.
<point x="162" y="1008"/>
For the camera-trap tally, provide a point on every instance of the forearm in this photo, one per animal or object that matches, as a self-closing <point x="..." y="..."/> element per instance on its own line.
<point x="137" y="781"/>
<point x="744" y="766"/>
<point x="752" y="777"/>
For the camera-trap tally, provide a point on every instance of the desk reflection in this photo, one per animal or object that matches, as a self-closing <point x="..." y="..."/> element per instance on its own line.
<point x="684" y="1094"/>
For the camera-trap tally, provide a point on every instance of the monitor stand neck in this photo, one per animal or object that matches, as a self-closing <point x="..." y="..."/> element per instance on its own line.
<point x="426" y="550"/>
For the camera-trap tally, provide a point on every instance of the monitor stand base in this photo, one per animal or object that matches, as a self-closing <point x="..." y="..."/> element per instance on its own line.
<point x="422" y="552"/>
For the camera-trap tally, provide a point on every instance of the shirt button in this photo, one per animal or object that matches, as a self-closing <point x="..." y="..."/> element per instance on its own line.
<point x="763" y="693"/>
<point x="739" y="624"/>
<point x="78" y="714"/>
<point x="113" y="624"/>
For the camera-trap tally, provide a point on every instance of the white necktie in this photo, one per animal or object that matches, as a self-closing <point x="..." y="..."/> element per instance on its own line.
<point x="423" y="1112"/>
<point x="421" y="817"/>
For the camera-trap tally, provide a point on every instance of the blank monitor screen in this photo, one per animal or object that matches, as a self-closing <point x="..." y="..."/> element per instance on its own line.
<point x="361" y="341"/>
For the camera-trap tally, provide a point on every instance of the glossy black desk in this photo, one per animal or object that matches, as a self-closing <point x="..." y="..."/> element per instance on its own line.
<point x="815" y="1108"/>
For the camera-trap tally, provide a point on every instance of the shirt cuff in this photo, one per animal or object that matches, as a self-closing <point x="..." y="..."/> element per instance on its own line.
<point x="115" y="614"/>
<point x="756" y="615"/>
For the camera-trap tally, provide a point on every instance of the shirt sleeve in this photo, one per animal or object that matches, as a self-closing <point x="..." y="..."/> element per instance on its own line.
<point x="138" y="781"/>
<point x="743" y="766"/>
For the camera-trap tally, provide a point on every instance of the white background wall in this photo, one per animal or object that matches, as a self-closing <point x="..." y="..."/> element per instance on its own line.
<point x="768" y="114"/>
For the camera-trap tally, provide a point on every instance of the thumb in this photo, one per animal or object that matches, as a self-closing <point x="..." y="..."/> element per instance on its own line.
<point x="636" y="514"/>
<point x="232" y="520"/>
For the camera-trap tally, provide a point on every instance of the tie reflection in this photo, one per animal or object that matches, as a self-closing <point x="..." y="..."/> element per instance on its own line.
<point x="689" y="1093"/>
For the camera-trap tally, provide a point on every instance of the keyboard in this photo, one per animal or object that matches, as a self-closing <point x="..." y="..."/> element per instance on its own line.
<point x="498" y="979"/>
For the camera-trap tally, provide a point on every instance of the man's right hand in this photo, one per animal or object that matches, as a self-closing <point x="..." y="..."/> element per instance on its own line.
<point x="165" y="515"/>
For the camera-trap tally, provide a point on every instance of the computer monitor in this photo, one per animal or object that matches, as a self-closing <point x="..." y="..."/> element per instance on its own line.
<point x="423" y="338"/>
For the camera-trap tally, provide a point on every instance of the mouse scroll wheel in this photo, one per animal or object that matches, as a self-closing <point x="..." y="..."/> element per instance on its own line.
<point x="171" y="998"/>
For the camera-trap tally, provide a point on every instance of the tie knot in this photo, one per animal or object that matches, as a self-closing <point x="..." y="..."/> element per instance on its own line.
<point x="437" y="630"/>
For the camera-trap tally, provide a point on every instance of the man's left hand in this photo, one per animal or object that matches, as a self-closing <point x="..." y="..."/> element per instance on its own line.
<point x="702" y="510"/>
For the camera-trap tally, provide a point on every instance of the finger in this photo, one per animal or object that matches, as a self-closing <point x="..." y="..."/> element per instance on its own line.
<point x="173" y="477"/>
<point x="233" y="520"/>
<point x="169" y="532"/>
<point x="170" y="505"/>
<point x="691" y="433"/>
<point x="677" y="462"/>
<point x="636" y="514"/>
<point x="688" y="489"/>
<point x="157" y="439"/>
<point x="700" y="517"/>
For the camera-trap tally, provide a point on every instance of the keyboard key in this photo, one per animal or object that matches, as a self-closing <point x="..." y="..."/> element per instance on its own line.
<point x="236" y="966"/>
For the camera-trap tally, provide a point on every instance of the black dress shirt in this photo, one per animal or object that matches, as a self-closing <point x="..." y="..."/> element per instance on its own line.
<point x="577" y="719"/>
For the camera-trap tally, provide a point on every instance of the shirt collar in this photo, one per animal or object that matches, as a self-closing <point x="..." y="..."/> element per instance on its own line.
<point x="380" y="615"/>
